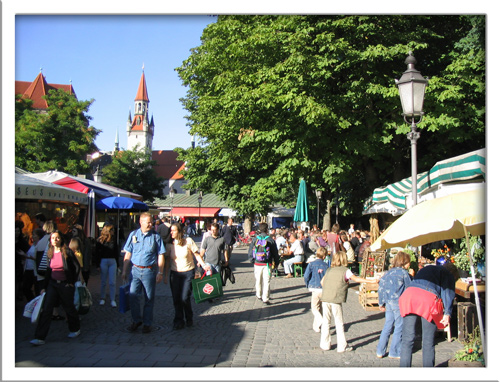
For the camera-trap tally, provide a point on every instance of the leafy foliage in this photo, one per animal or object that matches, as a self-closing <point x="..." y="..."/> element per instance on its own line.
<point x="58" y="139"/>
<point x="133" y="170"/>
<point x="472" y="350"/>
<point x="273" y="99"/>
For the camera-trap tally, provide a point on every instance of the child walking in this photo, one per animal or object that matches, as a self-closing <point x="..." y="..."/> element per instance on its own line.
<point x="335" y="285"/>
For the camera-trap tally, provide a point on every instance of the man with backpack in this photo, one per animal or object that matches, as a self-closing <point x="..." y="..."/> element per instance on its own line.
<point x="263" y="253"/>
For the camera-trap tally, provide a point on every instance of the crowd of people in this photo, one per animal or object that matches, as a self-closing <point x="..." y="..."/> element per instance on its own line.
<point x="51" y="262"/>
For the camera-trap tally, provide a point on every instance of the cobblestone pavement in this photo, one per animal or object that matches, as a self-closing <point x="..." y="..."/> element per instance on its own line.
<point x="236" y="331"/>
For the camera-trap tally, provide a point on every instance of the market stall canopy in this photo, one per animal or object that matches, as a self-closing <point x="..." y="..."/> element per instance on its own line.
<point x="227" y="212"/>
<point x="32" y="188"/>
<point x="437" y="219"/>
<point x="83" y="185"/>
<point x="120" y="203"/>
<point x="460" y="172"/>
<point x="204" y="212"/>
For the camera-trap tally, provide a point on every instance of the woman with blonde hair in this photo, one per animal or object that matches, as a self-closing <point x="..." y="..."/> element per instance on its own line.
<point x="335" y="284"/>
<point x="180" y="259"/>
<point x="107" y="257"/>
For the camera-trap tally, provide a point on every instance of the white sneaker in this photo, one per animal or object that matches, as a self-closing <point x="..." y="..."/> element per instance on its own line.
<point x="74" y="334"/>
<point x="37" y="342"/>
<point x="101" y="302"/>
<point x="113" y="304"/>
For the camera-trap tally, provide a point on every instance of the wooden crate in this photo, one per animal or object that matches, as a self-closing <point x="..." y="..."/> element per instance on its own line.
<point x="368" y="296"/>
<point x="373" y="262"/>
<point x="467" y="319"/>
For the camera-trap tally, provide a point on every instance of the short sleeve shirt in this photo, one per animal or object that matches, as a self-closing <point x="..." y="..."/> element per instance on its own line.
<point x="182" y="257"/>
<point x="214" y="249"/>
<point x="144" y="248"/>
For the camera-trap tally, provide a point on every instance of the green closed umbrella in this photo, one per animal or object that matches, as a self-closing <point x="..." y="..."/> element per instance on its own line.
<point x="302" y="210"/>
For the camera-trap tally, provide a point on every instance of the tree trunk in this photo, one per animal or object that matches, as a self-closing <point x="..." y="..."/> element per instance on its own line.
<point x="327" y="221"/>
<point x="247" y="225"/>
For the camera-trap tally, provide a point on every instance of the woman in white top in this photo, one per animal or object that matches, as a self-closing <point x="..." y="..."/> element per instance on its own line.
<point x="180" y="259"/>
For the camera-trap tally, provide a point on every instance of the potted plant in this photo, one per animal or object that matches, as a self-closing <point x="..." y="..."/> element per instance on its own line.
<point x="461" y="257"/>
<point x="471" y="355"/>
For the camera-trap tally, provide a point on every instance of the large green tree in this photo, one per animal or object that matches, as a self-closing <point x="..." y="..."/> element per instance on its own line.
<point x="58" y="138"/>
<point x="273" y="99"/>
<point x="133" y="170"/>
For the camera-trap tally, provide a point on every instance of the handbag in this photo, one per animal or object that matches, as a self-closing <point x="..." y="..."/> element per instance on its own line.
<point x="437" y="312"/>
<point x="207" y="287"/>
<point x="83" y="298"/>
<point x="124" y="302"/>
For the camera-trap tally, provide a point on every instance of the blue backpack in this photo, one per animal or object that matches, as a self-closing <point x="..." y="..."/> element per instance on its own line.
<point x="261" y="250"/>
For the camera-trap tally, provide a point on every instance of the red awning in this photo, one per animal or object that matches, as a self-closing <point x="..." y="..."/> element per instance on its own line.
<point x="204" y="212"/>
<point x="71" y="183"/>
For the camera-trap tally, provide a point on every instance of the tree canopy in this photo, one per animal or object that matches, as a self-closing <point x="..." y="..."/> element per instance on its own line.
<point x="273" y="99"/>
<point x="56" y="139"/>
<point x="133" y="170"/>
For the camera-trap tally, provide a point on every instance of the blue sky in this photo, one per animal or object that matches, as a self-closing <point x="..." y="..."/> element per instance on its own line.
<point x="103" y="56"/>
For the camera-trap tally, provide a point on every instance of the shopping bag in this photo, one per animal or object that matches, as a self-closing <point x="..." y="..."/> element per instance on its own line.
<point x="37" y="309"/>
<point x="124" y="305"/>
<point x="84" y="298"/>
<point x="30" y="306"/>
<point x="207" y="287"/>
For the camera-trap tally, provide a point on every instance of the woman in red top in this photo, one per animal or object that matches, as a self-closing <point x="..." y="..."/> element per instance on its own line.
<point x="62" y="273"/>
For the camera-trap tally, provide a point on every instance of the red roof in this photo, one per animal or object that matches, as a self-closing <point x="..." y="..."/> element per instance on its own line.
<point x="137" y="123"/>
<point x="167" y="164"/>
<point x="142" y="92"/>
<point x="38" y="88"/>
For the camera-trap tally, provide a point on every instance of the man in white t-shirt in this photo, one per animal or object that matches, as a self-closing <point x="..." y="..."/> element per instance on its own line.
<point x="297" y="251"/>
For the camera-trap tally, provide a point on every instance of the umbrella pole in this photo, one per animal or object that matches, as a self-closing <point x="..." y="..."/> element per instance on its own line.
<point x="476" y="295"/>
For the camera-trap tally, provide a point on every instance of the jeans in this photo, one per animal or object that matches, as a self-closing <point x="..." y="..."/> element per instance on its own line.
<point x="143" y="279"/>
<point x="392" y="319"/>
<point x="262" y="275"/>
<point x="56" y="293"/>
<point x="108" y="272"/>
<point x="180" y="285"/>
<point x="428" y="331"/>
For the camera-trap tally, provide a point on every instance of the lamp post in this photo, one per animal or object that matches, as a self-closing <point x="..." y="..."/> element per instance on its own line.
<point x="200" y="200"/>
<point x="318" y="196"/>
<point x="411" y="87"/>
<point x="171" y="194"/>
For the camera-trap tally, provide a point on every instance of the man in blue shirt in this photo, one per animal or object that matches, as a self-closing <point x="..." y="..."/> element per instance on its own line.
<point x="144" y="249"/>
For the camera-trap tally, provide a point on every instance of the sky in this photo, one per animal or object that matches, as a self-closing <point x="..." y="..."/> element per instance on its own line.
<point x="102" y="56"/>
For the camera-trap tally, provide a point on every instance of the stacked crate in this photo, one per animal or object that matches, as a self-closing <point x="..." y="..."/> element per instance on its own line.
<point x="373" y="265"/>
<point x="368" y="296"/>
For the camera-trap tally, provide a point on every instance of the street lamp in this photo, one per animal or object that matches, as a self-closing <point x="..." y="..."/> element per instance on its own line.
<point x="411" y="87"/>
<point x="171" y="194"/>
<point x="200" y="200"/>
<point x="318" y="196"/>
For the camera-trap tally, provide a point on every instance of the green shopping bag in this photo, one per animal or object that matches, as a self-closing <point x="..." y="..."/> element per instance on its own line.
<point x="207" y="287"/>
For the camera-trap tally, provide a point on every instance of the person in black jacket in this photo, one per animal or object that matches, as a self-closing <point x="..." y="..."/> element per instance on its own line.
<point x="59" y="284"/>
<point x="107" y="257"/>
<point x="230" y="234"/>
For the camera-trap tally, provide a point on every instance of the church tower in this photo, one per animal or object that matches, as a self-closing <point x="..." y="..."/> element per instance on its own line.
<point x="140" y="130"/>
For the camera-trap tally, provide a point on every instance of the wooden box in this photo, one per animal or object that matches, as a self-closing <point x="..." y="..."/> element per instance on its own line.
<point x="373" y="263"/>
<point x="368" y="296"/>
<point x="467" y="319"/>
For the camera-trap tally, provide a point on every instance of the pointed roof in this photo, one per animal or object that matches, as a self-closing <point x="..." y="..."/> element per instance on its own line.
<point x="38" y="88"/>
<point x="142" y="92"/>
